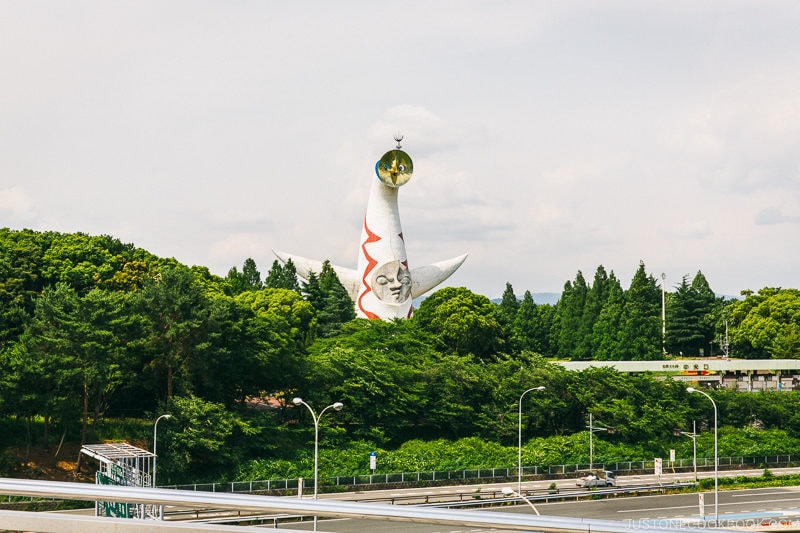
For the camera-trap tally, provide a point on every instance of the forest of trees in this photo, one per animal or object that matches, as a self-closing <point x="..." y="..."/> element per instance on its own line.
<point x="92" y="329"/>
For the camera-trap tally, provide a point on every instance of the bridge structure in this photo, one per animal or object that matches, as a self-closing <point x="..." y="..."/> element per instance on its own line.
<point x="63" y="523"/>
<point x="738" y="374"/>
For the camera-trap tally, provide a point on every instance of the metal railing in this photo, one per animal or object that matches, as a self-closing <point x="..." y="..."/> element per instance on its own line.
<point x="484" y="474"/>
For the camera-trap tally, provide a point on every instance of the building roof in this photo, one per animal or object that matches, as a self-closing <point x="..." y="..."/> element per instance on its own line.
<point x="114" y="452"/>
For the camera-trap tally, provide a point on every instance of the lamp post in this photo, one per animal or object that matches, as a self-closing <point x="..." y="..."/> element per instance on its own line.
<point x="155" y="444"/>
<point x="337" y="406"/>
<point x="693" y="436"/>
<point x="155" y="456"/>
<point x="508" y="491"/>
<point x="716" y="456"/>
<point x="519" y="447"/>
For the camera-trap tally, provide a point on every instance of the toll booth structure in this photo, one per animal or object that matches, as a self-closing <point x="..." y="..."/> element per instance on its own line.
<point x="127" y="465"/>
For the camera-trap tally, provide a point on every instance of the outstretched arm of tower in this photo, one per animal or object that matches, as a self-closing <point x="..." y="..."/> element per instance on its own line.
<point x="426" y="277"/>
<point x="304" y="266"/>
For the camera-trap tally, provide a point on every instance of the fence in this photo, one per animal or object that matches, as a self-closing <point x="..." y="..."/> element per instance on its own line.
<point x="484" y="474"/>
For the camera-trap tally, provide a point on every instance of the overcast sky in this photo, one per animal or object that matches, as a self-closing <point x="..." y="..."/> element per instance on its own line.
<point x="547" y="137"/>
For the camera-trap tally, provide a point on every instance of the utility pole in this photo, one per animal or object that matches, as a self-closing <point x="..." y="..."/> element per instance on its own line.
<point x="724" y="342"/>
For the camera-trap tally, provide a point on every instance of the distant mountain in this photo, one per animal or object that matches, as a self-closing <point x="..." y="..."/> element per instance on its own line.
<point x="546" y="297"/>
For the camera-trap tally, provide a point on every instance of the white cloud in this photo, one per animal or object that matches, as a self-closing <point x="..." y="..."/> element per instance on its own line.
<point x="15" y="200"/>
<point x="773" y="215"/>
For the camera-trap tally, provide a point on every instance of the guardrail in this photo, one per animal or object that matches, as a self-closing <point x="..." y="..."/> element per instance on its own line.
<point x="484" y="474"/>
<point x="490" y="497"/>
<point x="451" y="500"/>
<point x="18" y="521"/>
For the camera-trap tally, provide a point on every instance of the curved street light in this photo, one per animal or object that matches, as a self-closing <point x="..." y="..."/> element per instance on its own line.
<point x="716" y="455"/>
<point x="508" y="491"/>
<point x="519" y="447"/>
<point x="155" y="456"/>
<point x="337" y="406"/>
<point x="155" y="444"/>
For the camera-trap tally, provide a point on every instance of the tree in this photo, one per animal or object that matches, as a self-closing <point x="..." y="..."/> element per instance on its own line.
<point x="508" y="307"/>
<point x="596" y="298"/>
<point x="692" y="315"/>
<point x="767" y="325"/>
<point x="607" y="329"/>
<point x="21" y="282"/>
<point x="331" y="300"/>
<point x="85" y="261"/>
<point x="527" y="329"/>
<point x="279" y="327"/>
<point x="248" y="280"/>
<point x="569" y="317"/>
<point x="75" y="348"/>
<point x="180" y="322"/>
<point x="465" y="322"/>
<point x="200" y="440"/>
<point x="282" y="277"/>
<point x="640" y="338"/>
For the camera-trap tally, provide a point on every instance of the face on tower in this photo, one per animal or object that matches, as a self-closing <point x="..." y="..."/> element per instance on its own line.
<point x="392" y="282"/>
<point x="394" y="168"/>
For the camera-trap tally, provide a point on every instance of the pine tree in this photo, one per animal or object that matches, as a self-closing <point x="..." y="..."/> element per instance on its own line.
<point x="248" y="279"/>
<point x="569" y="314"/>
<point x="527" y="330"/>
<point x="250" y="275"/>
<point x="691" y="317"/>
<point x="606" y="334"/>
<point x="282" y="276"/>
<point x="331" y="300"/>
<point x="596" y="298"/>
<point x="508" y="306"/>
<point x="641" y="319"/>
<point x="289" y="278"/>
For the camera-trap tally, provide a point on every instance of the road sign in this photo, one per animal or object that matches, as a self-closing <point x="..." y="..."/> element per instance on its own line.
<point x="657" y="465"/>
<point x="672" y="456"/>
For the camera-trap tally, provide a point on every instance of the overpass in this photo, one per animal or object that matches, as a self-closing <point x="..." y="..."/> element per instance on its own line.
<point x="63" y="523"/>
<point x="738" y="374"/>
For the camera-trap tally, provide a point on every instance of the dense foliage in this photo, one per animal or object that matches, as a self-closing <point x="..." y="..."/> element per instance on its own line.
<point x="93" y="329"/>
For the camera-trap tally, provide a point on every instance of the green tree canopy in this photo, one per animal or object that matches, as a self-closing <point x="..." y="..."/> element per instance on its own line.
<point x="465" y="322"/>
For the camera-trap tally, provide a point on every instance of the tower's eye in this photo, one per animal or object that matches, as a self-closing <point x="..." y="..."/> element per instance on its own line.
<point x="395" y="168"/>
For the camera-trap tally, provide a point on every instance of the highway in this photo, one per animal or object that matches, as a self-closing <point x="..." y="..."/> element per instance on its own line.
<point x="759" y="509"/>
<point x="529" y="488"/>
<point x="775" y="506"/>
<point x="737" y="508"/>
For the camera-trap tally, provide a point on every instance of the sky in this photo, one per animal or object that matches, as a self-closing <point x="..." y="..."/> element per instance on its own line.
<point x="547" y="137"/>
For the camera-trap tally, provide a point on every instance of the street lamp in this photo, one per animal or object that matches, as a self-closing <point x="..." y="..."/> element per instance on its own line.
<point x="693" y="436"/>
<point x="508" y="491"/>
<point x="592" y="430"/>
<point x="716" y="456"/>
<point x="336" y="407"/>
<point x="155" y="456"/>
<point x="155" y="444"/>
<point x="519" y="448"/>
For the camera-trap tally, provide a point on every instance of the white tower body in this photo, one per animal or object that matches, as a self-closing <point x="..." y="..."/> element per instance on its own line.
<point x="383" y="285"/>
